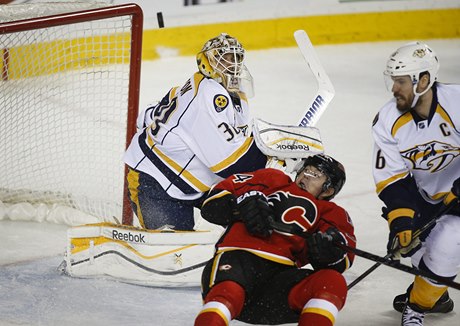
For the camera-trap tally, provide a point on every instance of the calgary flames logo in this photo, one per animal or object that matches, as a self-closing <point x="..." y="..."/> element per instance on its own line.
<point x="434" y="156"/>
<point x="292" y="209"/>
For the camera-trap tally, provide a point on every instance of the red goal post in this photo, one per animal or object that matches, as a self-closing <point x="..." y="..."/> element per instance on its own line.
<point x="69" y="96"/>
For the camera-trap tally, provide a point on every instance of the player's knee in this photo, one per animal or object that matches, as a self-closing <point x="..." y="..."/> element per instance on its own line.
<point x="229" y="293"/>
<point x="442" y="248"/>
<point x="324" y="284"/>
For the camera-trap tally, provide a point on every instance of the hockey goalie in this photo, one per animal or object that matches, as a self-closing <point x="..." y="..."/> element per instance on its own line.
<point x="167" y="257"/>
<point x="170" y="172"/>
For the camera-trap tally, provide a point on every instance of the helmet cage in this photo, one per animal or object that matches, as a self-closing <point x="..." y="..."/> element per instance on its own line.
<point x="226" y="60"/>
<point x="222" y="58"/>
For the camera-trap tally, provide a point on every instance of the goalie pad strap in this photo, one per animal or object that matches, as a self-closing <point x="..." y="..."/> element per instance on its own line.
<point x="143" y="236"/>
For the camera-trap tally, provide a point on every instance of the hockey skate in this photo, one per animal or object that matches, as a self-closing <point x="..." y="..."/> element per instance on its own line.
<point x="412" y="316"/>
<point x="443" y="305"/>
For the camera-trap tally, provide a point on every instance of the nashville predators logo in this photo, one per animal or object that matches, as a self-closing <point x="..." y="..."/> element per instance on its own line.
<point x="420" y="53"/>
<point x="433" y="157"/>
<point x="220" y="102"/>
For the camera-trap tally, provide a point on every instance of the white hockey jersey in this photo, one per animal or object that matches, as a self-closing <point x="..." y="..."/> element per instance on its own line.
<point x="196" y="136"/>
<point x="428" y="149"/>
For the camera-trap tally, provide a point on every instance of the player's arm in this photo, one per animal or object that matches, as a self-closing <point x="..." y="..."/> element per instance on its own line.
<point x="241" y="156"/>
<point x="335" y="226"/>
<point x="454" y="193"/>
<point x="394" y="183"/>
<point x="240" y="198"/>
<point x="395" y="186"/>
<point x="224" y="148"/>
<point x="219" y="206"/>
<point x="149" y="114"/>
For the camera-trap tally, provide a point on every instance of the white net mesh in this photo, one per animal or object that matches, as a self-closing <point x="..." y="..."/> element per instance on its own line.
<point x="63" y="118"/>
<point x="21" y="11"/>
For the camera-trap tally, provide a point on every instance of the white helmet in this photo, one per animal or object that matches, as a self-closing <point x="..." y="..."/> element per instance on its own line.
<point x="222" y="59"/>
<point x="412" y="59"/>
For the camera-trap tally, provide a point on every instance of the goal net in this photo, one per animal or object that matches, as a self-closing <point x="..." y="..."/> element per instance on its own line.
<point x="69" y="92"/>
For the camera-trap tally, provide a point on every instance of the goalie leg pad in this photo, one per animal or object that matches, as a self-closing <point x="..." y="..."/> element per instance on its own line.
<point x="139" y="256"/>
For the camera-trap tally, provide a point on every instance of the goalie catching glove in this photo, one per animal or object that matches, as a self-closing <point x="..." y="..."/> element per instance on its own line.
<point x="322" y="249"/>
<point x="285" y="145"/>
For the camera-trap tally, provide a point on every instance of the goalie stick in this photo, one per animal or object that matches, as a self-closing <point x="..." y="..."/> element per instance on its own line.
<point x="325" y="92"/>
<point x="323" y="96"/>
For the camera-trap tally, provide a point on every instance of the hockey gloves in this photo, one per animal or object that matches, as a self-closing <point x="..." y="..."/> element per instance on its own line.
<point x="254" y="211"/>
<point x="454" y="193"/>
<point x="456" y="188"/>
<point x="400" y="222"/>
<point x="322" y="251"/>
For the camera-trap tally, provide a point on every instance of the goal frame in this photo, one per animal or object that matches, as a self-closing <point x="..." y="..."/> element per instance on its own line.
<point x="68" y="18"/>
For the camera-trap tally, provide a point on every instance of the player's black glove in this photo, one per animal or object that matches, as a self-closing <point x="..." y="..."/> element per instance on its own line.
<point x="253" y="209"/>
<point x="322" y="250"/>
<point x="454" y="193"/>
<point x="385" y="211"/>
<point x="456" y="188"/>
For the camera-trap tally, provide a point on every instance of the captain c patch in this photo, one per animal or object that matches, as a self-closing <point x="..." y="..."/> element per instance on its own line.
<point x="220" y="102"/>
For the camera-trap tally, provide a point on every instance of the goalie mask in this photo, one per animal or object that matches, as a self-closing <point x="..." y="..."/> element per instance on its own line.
<point x="331" y="168"/>
<point x="222" y="59"/>
<point x="412" y="59"/>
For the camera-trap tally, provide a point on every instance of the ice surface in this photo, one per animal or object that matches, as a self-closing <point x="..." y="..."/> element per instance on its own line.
<point x="32" y="292"/>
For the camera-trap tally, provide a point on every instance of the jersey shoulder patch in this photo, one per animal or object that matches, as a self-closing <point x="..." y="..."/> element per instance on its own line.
<point x="220" y="102"/>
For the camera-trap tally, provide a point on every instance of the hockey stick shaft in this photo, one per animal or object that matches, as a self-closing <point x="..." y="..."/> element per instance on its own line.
<point x="397" y="265"/>
<point x="444" y="209"/>
<point x="367" y="272"/>
<point x="326" y="90"/>
<point x="387" y="259"/>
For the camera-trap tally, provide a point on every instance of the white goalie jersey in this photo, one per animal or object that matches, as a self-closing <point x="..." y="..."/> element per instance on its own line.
<point x="197" y="135"/>
<point x="428" y="149"/>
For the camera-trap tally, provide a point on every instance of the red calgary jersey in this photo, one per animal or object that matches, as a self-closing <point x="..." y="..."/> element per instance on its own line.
<point x="292" y="206"/>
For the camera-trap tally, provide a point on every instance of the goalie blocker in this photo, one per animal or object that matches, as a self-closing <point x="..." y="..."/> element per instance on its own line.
<point x="163" y="258"/>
